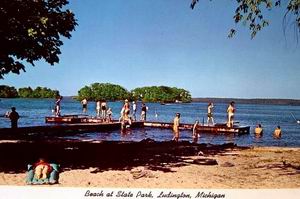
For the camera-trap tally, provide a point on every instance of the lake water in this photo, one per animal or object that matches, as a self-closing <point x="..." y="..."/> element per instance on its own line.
<point x="33" y="112"/>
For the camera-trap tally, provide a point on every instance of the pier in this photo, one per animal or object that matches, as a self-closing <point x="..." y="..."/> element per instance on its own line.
<point x="71" y="125"/>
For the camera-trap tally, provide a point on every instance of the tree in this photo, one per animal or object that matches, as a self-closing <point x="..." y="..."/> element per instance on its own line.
<point x="38" y="92"/>
<point x="103" y="91"/>
<point x="250" y="12"/>
<point x="43" y="92"/>
<point x="8" y="92"/>
<point x="31" y="30"/>
<point x="161" y="94"/>
<point x="25" y="92"/>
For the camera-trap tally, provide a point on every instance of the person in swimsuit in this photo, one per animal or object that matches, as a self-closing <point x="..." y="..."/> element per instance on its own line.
<point x="98" y="108"/>
<point x="14" y="117"/>
<point x="277" y="132"/>
<point x="125" y="122"/>
<point x="210" y="118"/>
<point x="230" y="114"/>
<point x="258" y="130"/>
<point x="57" y="106"/>
<point x="109" y="115"/>
<point x="195" y="132"/>
<point x="103" y="110"/>
<point x="84" y="103"/>
<point x="134" y="110"/>
<point x="176" y="123"/>
<point x="144" y="112"/>
<point x="42" y="169"/>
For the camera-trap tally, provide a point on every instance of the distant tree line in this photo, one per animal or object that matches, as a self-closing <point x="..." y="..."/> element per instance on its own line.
<point x="293" y="102"/>
<point x="27" y="92"/>
<point x="112" y="92"/>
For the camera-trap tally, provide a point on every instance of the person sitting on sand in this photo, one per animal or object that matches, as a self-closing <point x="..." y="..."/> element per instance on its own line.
<point x="195" y="132"/>
<point x="176" y="123"/>
<point x="42" y="169"/>
<point x="277" y="132"/>
<point x="14" y="117"/>
<point x="258" y="130"/>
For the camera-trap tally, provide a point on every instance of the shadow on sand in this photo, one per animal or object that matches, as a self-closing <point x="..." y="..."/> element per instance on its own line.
<point x="105" y="155"/>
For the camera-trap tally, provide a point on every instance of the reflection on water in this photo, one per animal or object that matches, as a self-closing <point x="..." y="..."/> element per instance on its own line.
<point x="270" y="116"/>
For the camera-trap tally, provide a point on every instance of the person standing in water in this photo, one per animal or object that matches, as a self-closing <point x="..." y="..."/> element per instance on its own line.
<point x="84" y="103"/>
<point x="258" y="130"/>
<point x="230" y="114"/>
<point x="277" y="132"/>
<point x="195" y="132"/>
<point x="210" y="118"/>
<point x="14" y="117"/>
<point x="176" y="124"/>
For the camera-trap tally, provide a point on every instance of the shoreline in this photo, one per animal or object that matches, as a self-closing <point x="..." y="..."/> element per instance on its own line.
<point x="150" y="164"/>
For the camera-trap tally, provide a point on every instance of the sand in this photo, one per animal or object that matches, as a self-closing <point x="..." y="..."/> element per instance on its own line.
<point x="157" y="165"/>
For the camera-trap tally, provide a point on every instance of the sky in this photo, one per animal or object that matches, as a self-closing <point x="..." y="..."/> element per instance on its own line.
<point x="137" y="43"/>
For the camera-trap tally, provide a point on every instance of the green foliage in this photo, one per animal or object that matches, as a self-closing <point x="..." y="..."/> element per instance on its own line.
<point x="39" y="92"/>
<point x="103" y="91"/>
<point x="8" y="92"/>
<point x="161" y="94"/>
<point x="25" y="92"/>
<point x="250" y="13"/>
<point x="31" y="30"/>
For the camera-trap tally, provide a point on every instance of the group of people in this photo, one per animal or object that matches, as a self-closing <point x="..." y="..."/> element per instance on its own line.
<point x="258" y="131"/>
<point x="105" y="112"/>
<point x="230" y="114"/>
<point x="102" y="110"/>
<point x="210" y="120"/>
<point x="126" y="118"/>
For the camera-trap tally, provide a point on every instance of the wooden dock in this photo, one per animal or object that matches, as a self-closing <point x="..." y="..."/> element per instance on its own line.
<point x="72" y="124"/>
<point x="73" y="119"/>
<point x="217" y="128"/>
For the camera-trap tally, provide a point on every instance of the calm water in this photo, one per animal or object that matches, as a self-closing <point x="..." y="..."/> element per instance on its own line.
<point x="33" y="111"/>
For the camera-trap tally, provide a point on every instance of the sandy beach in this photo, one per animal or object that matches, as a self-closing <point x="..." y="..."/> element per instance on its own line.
<point x="150" y="164"/>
